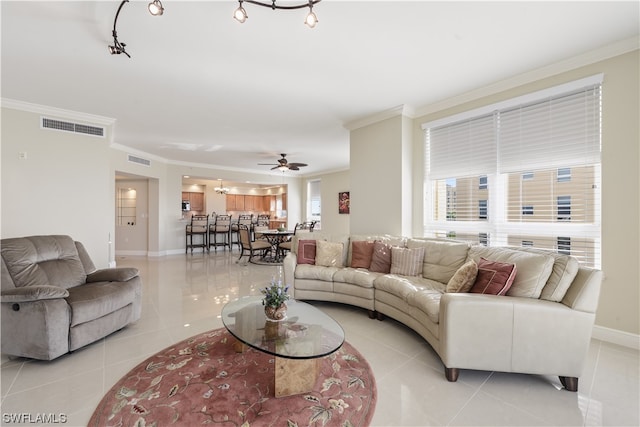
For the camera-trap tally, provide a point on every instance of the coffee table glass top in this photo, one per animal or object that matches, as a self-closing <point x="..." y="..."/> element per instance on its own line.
<point x="305" y="333"/>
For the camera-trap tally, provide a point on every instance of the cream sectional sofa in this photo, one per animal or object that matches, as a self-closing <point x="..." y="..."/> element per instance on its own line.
<point x="541" y="326"/>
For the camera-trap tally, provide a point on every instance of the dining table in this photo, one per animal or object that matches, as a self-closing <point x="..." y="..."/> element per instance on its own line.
<point x="275" y="237"/>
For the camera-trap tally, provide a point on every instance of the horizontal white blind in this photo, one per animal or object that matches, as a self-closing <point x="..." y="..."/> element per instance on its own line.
<point x="559" y="132"/>
<point x="526" y="175"/>
<point x="462" y="149"/>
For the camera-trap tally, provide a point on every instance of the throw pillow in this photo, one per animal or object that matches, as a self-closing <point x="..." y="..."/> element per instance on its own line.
<point x="306" y="252"/>
<point x="329" y="254"/>
<point x="493" y="277"/>
<point x="361" y="253"/>
<point x="381" y="258"/>
<point x="464" y="278"/>
<point x="407" y="262"/>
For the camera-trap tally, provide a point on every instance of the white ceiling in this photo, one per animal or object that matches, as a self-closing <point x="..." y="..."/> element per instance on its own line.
<point x="202" y="88"/>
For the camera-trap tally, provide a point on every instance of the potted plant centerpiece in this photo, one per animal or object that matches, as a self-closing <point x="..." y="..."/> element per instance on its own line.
<point x="275" y="296"/>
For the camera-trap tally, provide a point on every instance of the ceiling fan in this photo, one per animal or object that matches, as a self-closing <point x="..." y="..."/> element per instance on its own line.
<point x="284" y="165"/>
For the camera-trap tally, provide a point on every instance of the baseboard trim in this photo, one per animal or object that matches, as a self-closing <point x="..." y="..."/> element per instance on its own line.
<point x="615" y="336"/>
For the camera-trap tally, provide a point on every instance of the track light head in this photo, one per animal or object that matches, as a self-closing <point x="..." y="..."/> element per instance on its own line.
<point x="311" y="20"/>
<point x="155" y="8"/>
<point x="240" y="14"/>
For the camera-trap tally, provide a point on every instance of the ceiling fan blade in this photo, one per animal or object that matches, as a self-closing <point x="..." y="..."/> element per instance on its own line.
<point x="293" y="168"/>
<point x="268" y="164"/>
<point x="297" y="165"/>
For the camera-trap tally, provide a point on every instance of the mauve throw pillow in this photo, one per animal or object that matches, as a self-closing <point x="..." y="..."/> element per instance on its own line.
<point x="306" y="252"/>
<point x="464" y="278"/>
<point x="407" y="262"/>
<point x="381" y="258"/>
<point x="361" y="253"/>
<point x="493" y="277"/>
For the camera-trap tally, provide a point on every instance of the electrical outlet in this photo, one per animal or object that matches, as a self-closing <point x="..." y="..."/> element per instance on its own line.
<point x="22" y="155"/>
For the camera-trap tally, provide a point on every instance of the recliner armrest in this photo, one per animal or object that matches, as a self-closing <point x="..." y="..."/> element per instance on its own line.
<point x="33" y="293"/>
<point x="120" y="274"/>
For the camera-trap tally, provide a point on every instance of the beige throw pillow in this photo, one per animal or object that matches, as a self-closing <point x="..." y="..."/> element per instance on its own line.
<point x="464" y="278"/>
<point x="407" y="262"/>
<point x="329" y="254"/>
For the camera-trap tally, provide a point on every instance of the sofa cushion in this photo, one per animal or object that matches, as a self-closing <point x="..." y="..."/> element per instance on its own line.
<point x="43" y="260"/>
<point x="361" y="253"/>
<point x="533" y="269"/>
<point x="307" y="252"/>
<point x="94" y="300"/>
<point x="356" y="276"/>
<point x="402" y="286"/>
<point x="381" y="258"/>
<point x="441" y="258"/>
<point x="407" y="262"/>
<point x="427" y="301"/>
<point x="329" y="254"/>
<point x="315" y="272"/>
<point x="494" y="278"/>
<point x="565" y="268"/>
<point x="464" y="278"/>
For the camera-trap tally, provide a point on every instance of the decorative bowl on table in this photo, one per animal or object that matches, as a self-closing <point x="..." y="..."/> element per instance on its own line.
<point x="281" y="229"/>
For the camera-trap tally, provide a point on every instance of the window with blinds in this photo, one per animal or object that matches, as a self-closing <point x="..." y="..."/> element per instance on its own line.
<point x="522" y="173"/>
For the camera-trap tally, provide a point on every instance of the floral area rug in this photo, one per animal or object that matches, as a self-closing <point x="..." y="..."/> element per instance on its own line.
<point x="203" y="381"/>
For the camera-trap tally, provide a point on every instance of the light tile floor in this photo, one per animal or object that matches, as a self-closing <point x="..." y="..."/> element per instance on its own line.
<point x="184" y="294"/>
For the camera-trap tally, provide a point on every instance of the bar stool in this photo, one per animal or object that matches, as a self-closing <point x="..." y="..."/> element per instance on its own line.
<point x="198" y="227"/>
<point x="220" y="228"/>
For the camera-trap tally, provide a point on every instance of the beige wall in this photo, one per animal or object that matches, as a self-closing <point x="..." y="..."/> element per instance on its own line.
<point x="63" y="186"/>
<point x="330" y="185"/>
<point x="378" y="195"/>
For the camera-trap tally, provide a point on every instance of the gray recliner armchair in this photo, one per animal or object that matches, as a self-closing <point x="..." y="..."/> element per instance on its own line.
<point x="54" y="300"/>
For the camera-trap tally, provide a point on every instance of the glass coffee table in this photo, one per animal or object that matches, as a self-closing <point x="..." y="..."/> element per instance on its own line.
<point x="297" y="342"/>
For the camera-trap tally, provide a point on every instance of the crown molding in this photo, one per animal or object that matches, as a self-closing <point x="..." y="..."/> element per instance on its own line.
<point x="58" y="112"/>
<point x="400" y="110"/>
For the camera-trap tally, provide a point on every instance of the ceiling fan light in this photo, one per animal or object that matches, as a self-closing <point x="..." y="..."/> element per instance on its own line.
<point x="240" y="14"/>
<point x="283" y="168"/>
<point x="311" y="20"/>
<point x="155" y="8"/>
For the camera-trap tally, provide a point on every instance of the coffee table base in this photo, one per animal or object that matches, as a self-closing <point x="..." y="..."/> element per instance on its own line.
<point x="292" y="376"/>
<point x="295" y="376"/>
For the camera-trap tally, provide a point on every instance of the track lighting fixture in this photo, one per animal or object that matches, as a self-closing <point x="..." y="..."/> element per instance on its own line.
<point x="240" y="15"/>
<point x="311" y="20"/>
<point x="155" y="8"/>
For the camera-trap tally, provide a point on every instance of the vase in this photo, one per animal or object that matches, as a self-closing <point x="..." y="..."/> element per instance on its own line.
<point x="276" y="314"/>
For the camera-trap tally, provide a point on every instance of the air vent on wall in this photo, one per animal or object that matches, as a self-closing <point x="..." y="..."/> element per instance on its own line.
<point x="72" y="127"/>
<point x="139" y="160"/>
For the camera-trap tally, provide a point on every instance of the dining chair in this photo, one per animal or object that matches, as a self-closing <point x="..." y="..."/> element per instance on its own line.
<point x="243" y="219"/>
<point x="246" y="245"/>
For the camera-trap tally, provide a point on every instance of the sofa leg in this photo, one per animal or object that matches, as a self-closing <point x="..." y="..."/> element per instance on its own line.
<point x="372" y="314"/>
<point x="379" y="315"/>
<point x="451" y="374"/>
<point x="570" y="383"/>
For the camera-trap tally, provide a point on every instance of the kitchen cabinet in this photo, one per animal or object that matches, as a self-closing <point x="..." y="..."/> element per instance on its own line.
<point x="195" y="199"/>
<point x="250" y="203"/>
